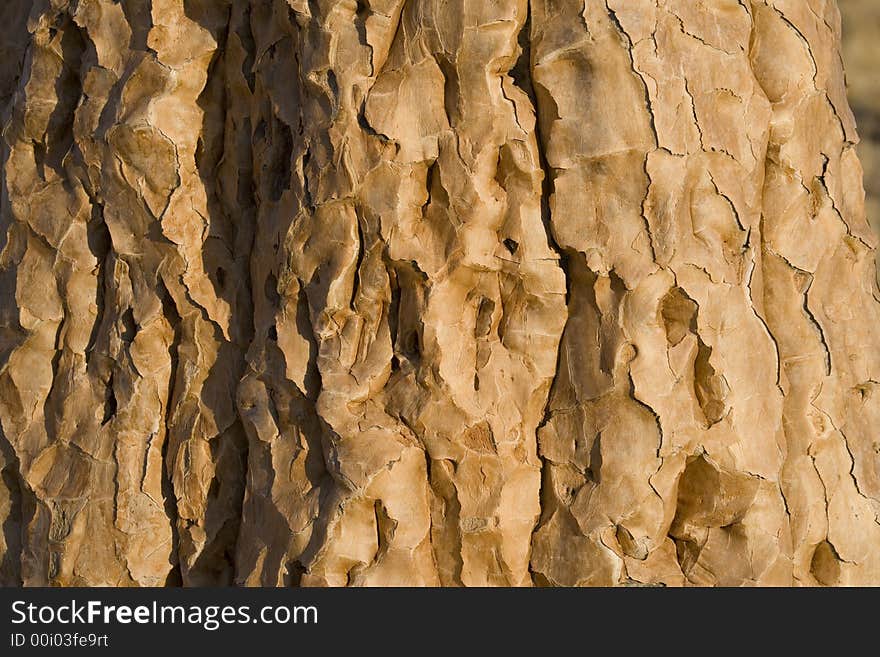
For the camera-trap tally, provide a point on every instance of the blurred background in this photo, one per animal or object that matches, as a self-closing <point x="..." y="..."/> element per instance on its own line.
<point x="861" y="54"/>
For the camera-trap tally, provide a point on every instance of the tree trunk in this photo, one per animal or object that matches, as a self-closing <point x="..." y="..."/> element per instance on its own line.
<point x="370" y="292"/>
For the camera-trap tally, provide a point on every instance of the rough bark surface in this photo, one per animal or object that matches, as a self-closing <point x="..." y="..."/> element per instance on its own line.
<point x="371" y="292"/>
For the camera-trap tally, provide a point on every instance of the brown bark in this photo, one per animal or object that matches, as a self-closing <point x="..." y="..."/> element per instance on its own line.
<point x="372" y="292"/>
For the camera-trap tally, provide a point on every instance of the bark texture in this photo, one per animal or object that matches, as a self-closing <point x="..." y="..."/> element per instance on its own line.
<point x="372" y="292"/>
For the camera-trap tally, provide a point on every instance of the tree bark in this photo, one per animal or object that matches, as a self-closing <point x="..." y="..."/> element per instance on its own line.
<point x="376" y="292"/>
